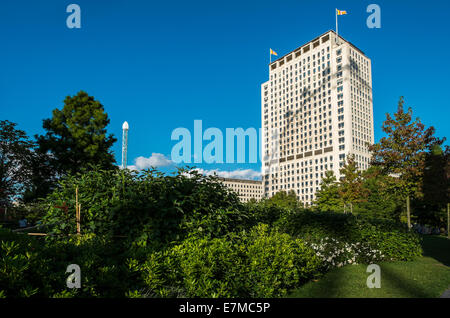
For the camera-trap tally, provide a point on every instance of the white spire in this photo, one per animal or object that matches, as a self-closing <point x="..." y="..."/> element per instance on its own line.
<point x="125" y="128"/>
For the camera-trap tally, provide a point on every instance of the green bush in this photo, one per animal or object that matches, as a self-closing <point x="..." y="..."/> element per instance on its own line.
<point x="148" y="208"/>
<point x="276" y="262"/>
<point x="17" y="271"/>
<point x="262" y="263"/>
<point x="37" y="267"/>
<point x="392" y="239"/>
<point x="185" y="235"/>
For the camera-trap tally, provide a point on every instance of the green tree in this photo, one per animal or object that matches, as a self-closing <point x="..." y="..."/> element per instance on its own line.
<point x="380" y="202"/>
<point x="42" y="178"/>
<point x="402" y="152"/>
<point x="327" y="198"/>
<point x="15" y="152"/>
<point x="76" y="136"/>
<point x="285" y="199"/>
<point x="431" y="207"/>
<point x="351" y="188"/>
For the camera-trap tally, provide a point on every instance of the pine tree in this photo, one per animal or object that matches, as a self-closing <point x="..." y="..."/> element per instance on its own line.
<point x="76" y="136"/>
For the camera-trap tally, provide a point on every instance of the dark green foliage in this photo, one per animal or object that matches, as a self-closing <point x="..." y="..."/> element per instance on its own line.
<point x="180" y="235"/>
<point x="276" y="262"/>
<point x="283" y="199"/>
<point x="146" y="207"/>
<point x="261" y="264"/>
<point x="76" y="136"/>
<point x="351" y="188"/>
<point x="431" y="208"/>
<point x="265" y="212"/>
<point x="380" y="202"/>
<point x="328" y="198"/>
<point x="403" y="153"/>
<point x="403" y="150"/>
<point x="42" y="176"/>
<point x="391" y="238"/>
<point x="37" y="267"/>
<point x="15" y="152"/>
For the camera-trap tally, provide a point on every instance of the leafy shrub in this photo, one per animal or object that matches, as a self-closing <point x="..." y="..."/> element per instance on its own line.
<point x="31" y="267"/>
<point x="185" y="235"/>
<point x="149" y="207"/>
<point x="392" y="239"/>
<point x="14" y="270"/>
<point x="265" y="212"/>
<point x="259" y="264"/>
<point x="276" y="262"/>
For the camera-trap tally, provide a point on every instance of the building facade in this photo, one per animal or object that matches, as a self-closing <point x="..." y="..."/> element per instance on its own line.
<point x="317" y="108"/>
<point x="246" y="189"/>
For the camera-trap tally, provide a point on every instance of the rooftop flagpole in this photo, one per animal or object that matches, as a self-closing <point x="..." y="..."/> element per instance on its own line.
<point x="337" y="26"/>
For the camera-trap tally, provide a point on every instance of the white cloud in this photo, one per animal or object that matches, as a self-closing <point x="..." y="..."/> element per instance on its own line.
<point x="159" y="160"/>
<point x="236" y="174"/>
<point x="155" y="160"/>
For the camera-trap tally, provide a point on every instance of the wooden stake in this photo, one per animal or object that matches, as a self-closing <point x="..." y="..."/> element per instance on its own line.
<point x="408" y="212"/>
<point x="77" y="210"/>
<point x="79" y="219"/>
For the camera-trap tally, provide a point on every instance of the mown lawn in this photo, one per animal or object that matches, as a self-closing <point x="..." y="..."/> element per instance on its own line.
<point x="427" y="276"/>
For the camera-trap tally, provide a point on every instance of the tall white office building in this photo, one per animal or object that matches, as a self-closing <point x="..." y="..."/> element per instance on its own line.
<point x="316" y="109"/>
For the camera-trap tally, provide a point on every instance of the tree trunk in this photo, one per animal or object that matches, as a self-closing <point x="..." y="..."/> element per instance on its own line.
<point x="351" y="208"/>
<point x="408" y="212"/>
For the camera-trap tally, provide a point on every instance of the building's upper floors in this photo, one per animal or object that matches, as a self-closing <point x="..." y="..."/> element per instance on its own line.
<point x="316" y="108"/>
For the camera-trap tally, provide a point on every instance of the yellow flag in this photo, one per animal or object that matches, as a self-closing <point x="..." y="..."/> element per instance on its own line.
<point x="341" y="12"/>
<point x="272" y="52"/>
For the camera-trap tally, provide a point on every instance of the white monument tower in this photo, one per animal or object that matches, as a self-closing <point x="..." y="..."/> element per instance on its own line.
<point x="124" y="144"/>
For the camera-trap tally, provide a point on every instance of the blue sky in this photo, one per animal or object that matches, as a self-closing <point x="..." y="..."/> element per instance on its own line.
<point x="161" y="65"/>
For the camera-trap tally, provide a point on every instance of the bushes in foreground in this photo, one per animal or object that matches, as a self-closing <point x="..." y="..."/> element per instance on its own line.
<point x="185" y="235"/>
<point x="262" y="263"/>
<point x="36" y="267"/>
<point x="147" y="208"/>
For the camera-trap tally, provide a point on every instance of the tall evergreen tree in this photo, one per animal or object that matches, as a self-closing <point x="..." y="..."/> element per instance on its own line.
<point x="76" y="136"/>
